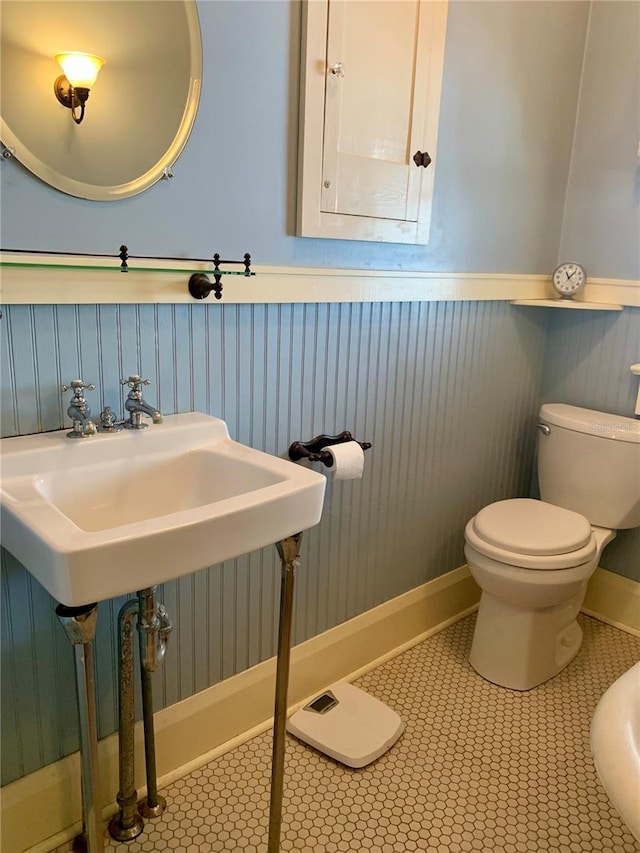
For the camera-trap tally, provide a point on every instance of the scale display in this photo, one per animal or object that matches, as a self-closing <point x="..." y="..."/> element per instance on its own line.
<point x="322" y="703"/>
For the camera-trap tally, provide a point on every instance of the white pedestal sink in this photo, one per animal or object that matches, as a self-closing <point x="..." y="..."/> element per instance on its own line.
<point x="115" y="513"/>
<point x="112" y="514"/>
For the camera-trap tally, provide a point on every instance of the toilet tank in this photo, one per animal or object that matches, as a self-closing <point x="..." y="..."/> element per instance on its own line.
<point x="589" y="462"/>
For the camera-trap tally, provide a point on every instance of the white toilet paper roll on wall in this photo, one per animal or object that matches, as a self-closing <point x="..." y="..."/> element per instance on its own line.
<point x="348" y="460"/>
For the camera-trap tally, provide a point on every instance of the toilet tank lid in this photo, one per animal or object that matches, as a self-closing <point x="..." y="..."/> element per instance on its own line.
<point x="601" y="424"/>
<point x="527" y="526"/>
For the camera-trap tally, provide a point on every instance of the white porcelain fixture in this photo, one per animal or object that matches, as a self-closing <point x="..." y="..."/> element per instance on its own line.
<point x="615" y="744"/>
<point x="532" y="559"/>
<point x="112" y="514"/>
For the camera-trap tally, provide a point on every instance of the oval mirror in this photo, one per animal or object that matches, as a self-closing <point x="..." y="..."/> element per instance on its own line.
<point x="140" y="110"/>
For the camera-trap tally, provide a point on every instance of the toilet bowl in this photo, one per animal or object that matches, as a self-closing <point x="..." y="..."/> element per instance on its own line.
<point x="526" y="630"/>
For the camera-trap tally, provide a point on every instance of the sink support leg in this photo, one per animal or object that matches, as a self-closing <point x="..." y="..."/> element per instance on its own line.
<point x="289" y="551"/>
<point x="80" y="626"/>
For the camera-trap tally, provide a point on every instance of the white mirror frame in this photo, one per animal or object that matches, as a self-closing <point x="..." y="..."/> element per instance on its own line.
<point x="162" y="168"/>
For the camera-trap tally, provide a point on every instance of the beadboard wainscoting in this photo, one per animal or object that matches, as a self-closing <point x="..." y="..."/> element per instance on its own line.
<point x="447" y="392"/>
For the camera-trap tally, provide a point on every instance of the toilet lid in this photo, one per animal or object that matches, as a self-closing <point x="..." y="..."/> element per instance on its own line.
<point x="527" y="526"/>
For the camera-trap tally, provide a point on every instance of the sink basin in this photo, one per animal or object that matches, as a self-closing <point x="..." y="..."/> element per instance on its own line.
<point x="615" y="744"/>
<point x="111" y="514"/>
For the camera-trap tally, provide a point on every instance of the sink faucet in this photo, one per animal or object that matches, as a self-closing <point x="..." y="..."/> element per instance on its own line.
<point x="78" y="410"/>
<point x="136" y="406"/>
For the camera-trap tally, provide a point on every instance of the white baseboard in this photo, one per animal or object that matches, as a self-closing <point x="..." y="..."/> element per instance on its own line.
<point x="43" y="810"/>
<point x="615" y="600"/>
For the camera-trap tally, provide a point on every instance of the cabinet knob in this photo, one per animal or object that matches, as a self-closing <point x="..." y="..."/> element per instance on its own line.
<point x="421" y="158"/>
<point x="337" y="70"/>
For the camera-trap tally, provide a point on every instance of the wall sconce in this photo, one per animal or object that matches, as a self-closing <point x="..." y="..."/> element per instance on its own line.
<point x="80" y="73"/>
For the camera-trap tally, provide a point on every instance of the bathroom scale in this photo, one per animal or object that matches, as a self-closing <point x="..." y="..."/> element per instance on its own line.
<point x="347" y="724"/>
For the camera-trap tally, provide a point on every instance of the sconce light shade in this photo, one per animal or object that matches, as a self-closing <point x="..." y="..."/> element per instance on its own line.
<point x="80" y="73"/>
<point x="80" y="69"/>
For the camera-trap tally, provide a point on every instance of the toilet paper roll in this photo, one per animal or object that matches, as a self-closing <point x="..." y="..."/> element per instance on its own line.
<point x="348" y="460"/>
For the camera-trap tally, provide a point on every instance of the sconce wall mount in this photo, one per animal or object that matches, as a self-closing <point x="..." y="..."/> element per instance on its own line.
<point x="72" y="88"/>
<point x="71" y="97"/>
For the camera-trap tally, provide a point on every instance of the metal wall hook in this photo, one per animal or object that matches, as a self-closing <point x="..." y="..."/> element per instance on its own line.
<point x="200" y="286"/>
<point x="314" y="450"/>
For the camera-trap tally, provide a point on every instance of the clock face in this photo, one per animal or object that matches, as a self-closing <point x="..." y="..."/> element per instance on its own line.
<point x="569" y="279"/>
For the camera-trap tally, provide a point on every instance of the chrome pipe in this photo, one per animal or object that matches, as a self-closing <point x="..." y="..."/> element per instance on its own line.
<point x="148" y="624"/>
<point x="127" y="823"/>
<point x="154" y="627"/>
<point x="289" y="551"/>
<point x="80" y="626"/>
<point x="153" y="804"/>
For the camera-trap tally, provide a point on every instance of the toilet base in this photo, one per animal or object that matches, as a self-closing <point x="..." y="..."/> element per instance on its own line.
<point x="518" y="648"/>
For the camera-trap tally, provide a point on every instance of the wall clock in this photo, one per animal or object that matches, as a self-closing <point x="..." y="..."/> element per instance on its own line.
<point x="568" y="279"/>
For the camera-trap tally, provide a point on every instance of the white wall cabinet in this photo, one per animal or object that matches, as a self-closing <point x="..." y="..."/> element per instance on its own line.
<point x="370" y="101"/>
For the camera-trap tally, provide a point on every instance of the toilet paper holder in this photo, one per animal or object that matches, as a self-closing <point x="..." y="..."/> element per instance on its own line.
<point x="313" y="450"/>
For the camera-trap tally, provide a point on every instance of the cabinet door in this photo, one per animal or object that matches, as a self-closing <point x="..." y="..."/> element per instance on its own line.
<point x="372" y="75"/>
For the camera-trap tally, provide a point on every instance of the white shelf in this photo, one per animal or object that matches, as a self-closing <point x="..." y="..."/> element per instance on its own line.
<point x="568" y="303"/>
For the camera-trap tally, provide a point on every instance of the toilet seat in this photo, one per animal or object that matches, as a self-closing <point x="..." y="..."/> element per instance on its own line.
<point x="532" y="535"/>
<point x="532" y="527"/>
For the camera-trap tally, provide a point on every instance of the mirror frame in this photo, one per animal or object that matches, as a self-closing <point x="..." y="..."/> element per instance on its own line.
<point x="162" y="168"/>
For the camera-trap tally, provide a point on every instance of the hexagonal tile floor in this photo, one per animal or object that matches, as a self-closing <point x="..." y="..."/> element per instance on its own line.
<point x="478" y="768"/>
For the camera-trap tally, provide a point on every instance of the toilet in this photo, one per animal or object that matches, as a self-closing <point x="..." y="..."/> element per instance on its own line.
<point x="532" y="558"/>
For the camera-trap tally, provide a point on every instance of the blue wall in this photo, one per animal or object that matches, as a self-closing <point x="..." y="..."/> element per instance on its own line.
<point x="601" y="225"/>
<point x="588" y="355"/>
<point x="511" y="70"/>
<point x="448" y="393"/>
